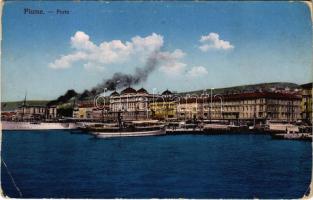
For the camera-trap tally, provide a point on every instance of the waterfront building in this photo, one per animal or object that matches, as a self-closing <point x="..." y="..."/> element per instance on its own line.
<point x="164" y="106"/>
<point x="51" y="112"/>
<point x="306" y="103"/>
<point x="256" y="106"/>
<point x="88" y="110"/>
<point x="8" y="115"/>
<point x="36" y="112"/>
<point x="101" y="114"/>
<point x="76" y="112"/>
<point x="130" y="104"/>
<point x="191" y="107"/>
<point x="244" y="107"/>
<point x="97" y="114"/>
<point x="83" y="110"/>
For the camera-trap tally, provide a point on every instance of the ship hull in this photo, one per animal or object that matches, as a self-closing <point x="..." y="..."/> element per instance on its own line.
<point x="11" y="126"/>
<point x="128" y="134"/>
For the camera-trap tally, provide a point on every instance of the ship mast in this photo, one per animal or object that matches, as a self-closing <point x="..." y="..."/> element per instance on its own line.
<point x="23" y="106"/>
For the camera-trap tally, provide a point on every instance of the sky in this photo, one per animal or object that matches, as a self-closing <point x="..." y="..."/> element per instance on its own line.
<point x="198" y="45"/>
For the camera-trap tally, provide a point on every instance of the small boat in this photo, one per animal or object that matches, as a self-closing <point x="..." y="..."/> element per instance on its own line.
<point x="281" y="127"/>
<point x="127" y="129"/>
<point x="304" y="134"/>
<point x="293" y="136"/>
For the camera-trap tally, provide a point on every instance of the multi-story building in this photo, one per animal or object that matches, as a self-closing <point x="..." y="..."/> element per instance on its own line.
<point x="51" y="112"/>
<point x="306" y="103"/>
<point x="101" y="114"/>
<point x="190" y="108"/>
<point x="83" y="111"/>
<point x="256" y="106"/>
<point x="36" y="112"/>
<point x="130" y="104"/>
<point x="88" y="110"/>
<point x="164" y="106"/>
<point x="133" y="104"/>
<point x="8" y="115"/>
<point x="250" y="106"/>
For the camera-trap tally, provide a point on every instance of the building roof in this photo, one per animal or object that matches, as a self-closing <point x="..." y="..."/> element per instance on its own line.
<point x="167" y="92"/>
<point x="242" y="96"/>
<point x="142" y="90"/>
<point x="267" y="95"/>
<point x="255" y="95"/>
<point x="86" y="105"/>
<point x="115" y="94"/>
<point x="129" y="90"/>
<point x="8" y="113"/>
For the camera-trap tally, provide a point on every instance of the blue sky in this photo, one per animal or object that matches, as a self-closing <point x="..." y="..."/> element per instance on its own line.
<point x="242" y="43"/>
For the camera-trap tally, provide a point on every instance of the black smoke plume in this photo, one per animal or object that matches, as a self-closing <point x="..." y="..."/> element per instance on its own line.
<point x="63" y="98"/>
<point x="120" y="80"/>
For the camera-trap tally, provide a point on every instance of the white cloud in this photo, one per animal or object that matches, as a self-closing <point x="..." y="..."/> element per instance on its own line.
<point x="172" y="64"/>
<point x="107" y="52"/>
<point x="173" y="69"/>
<point x="150" y="43"/>
<point x="213" y="41"/>
<point x="67" y="60"/>
<point x="197" y="71"/>
<point x="81" y="41"/>
<point x="96" y="57"/>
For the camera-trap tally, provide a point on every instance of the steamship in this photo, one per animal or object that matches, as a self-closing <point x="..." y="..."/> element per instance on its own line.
<point x="14" y="125"/>
<point x="127" y="129"/>
<point x="36" y="117"/>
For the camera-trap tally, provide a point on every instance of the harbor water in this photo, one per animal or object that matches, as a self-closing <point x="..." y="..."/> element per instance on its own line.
<point x="58" y="164"/>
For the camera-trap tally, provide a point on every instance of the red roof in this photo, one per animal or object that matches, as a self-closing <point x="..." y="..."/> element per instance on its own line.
<point x="258" y="95"/>
<point x="86" y="105"/>
<point x="4" y="113"/>
<point x="229" y="97"/>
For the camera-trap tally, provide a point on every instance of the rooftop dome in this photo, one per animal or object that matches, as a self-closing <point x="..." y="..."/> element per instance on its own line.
<point x="142" y="90"/>
<point x="167" y="92"/>
<point x="129" y="90"/>
<point x="115" y="94"/>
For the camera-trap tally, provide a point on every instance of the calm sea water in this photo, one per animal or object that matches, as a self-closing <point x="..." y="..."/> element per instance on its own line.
<point x="48" y="164"/>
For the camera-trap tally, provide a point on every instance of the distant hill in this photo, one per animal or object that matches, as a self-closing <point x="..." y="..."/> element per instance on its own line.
<point x="241" y="88"/>
<point x="11" y="105"/>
